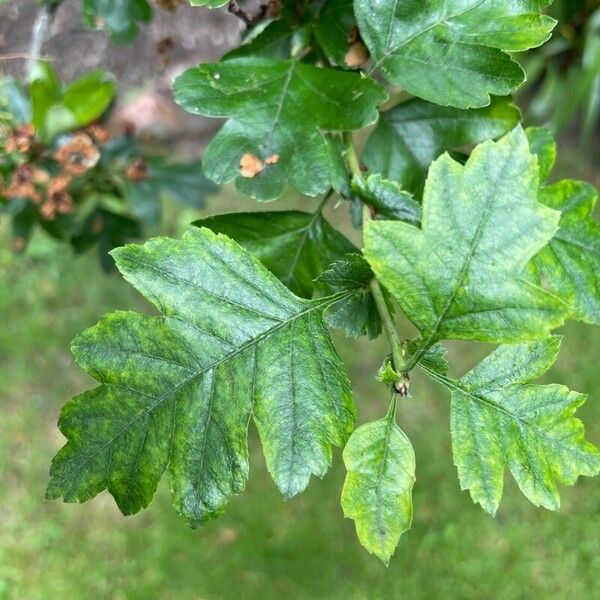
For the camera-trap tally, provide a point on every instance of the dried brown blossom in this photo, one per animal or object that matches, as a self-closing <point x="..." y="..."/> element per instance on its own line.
<point x="20" y="139"/>
<point x="137" y="170"/>
<point x="22" y="184"/>
<point x="78" y="155"/>
<point x="58" y="199"/>
<point x="98" y="133"/>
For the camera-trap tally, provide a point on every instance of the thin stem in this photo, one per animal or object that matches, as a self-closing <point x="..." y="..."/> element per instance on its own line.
<point x="389" y="327"/>
<point x="386" y="318"/>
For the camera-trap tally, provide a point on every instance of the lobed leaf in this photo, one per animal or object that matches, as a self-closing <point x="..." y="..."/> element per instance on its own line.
<point x="177" y="391"/>
<point x="500" y="419"/>
<point x="452" y="52"/>
<point x="462" y="275"/>
<point x="278" y="111"/>
<point x="570" y="264"/>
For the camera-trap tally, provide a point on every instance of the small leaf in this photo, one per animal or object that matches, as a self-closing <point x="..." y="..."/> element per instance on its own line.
<point x="452" y="52"/>
<point x="499" y="419"/>
<point x="413" y="134"/>
<point x="177" y="390"/>
<point x="295" y="246"/>
<point x="387" y="198"/>
<point x="377" y="492"/>
<point x="462" y="275"/>
<point x="356" y="314"/>
<point x="277" y="107"/>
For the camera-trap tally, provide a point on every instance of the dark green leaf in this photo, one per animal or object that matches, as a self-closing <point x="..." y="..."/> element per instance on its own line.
<point x="356" y="314"/>
<point x="278" y="109"/>
<point x="387" y="198"/>
<point x="452" y="52"/>
<point x="119" y="18"/>
<point x="295" y="246"/>
<point x="413" y="134"/>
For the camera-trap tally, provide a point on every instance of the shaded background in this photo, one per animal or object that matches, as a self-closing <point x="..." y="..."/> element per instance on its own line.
<point x="262" y="547"/>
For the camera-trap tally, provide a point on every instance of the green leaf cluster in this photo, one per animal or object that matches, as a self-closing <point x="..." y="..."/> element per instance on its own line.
<point x="461" y="234"/>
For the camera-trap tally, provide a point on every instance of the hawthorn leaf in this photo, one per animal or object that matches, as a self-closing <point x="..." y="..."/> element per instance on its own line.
<point x="333" y="29"/>
<point x="119" y="18"/>
<point x="377" y="493"/>
<point x="356" y="314"/>
<point x="388" y="198"/>
<point x="274" y="41"/>
<point x="500" y="419"/>
<point x="462" y="275"/>
<point x="570" y="264"/>
<point x="410" y="136"/>
<point x="542" y="144"/>
<point x="452" y="52"/>
<point x="278" y="109"/>
<point x="177" y="390"/>
<point x="295" y="246"/>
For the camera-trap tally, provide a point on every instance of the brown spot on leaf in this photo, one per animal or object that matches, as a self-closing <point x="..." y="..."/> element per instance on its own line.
<point x="250" y="165"/>
<point x="272" y="160"/>
<point x="357" y="55"/>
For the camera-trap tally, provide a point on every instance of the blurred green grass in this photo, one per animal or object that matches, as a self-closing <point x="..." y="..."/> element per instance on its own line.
<point x="263" y="547"/>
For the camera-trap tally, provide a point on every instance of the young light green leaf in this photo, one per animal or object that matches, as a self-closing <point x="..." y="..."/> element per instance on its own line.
<point x="413" y="134"/>
<point x="278" y="109"/>
<point x="499" y="419"/>
<point x="295" y="246"/>
<point x="177" y="391"/>
<point x="377" y="492"/>
<point x="387" y="198"/>
<point x="461" y="276"/>
<point x="452" y="52"/>
<point x="356" y="314"/>
<point x="209" y="3"/>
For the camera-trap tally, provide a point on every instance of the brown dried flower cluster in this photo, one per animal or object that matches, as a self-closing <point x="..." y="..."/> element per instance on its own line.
<point x="20" y="139"/>
<point x="78" y="155"/>
<point x="22" y="183"/>
<point x="58" y="200"/>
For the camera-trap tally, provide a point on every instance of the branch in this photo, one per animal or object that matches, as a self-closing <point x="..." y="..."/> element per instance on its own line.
<point x="386" y="318"/>
<point x="249" y="20"/>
